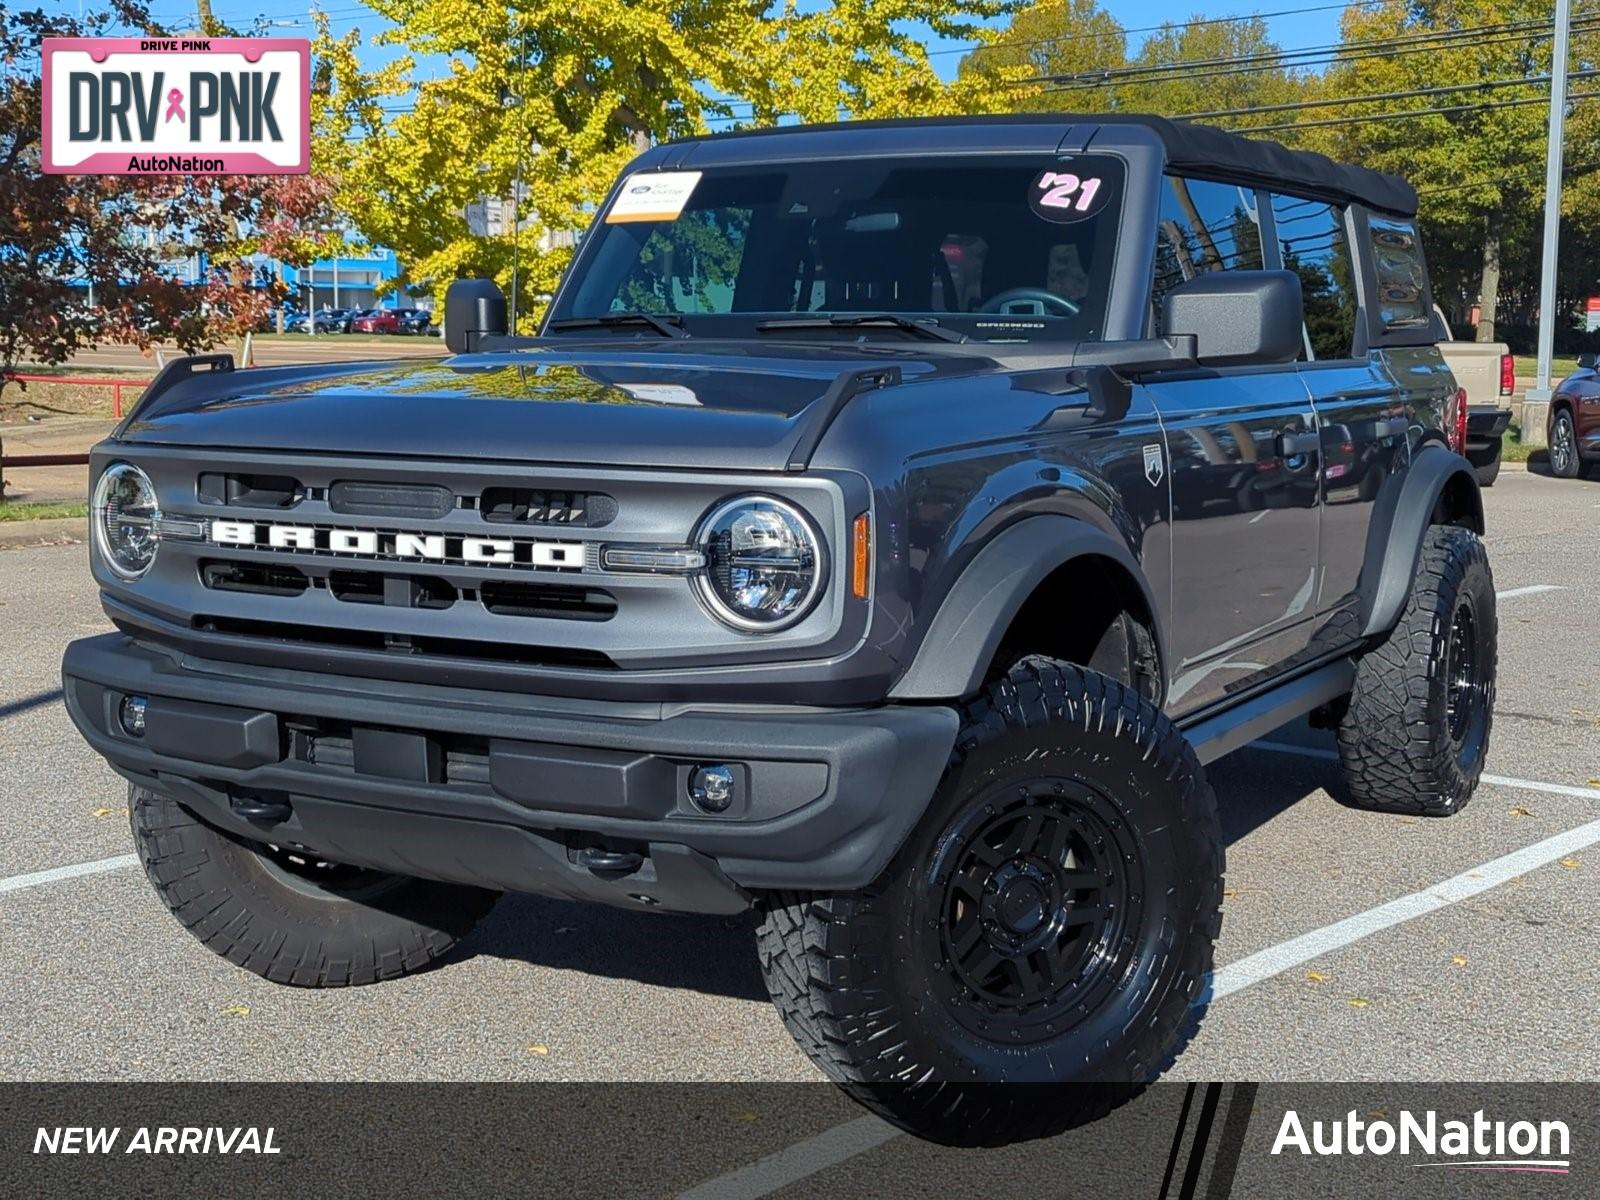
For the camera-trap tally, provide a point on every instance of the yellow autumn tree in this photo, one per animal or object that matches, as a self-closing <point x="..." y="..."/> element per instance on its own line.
<point x="561" y="95"/>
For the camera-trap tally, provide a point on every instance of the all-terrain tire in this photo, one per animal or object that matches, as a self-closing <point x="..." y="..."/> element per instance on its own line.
<point x="237" y="899"/>
<point x="1416" y="732"/>
<point x="870" y="982"/>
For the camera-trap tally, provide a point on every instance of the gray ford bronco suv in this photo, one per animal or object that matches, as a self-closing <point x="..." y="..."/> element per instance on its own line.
<point x="885" y="527"/>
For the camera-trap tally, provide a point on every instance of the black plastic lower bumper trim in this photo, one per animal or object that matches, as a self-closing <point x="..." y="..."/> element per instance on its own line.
<point x="426" y="779"/>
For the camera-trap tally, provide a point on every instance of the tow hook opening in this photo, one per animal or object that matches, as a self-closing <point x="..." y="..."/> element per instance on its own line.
<point x="268" y="808"/>
<point x="614" y="864"/>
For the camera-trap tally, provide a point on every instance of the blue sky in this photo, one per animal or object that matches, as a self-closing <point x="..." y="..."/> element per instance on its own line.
<point x="1289" y="30"/>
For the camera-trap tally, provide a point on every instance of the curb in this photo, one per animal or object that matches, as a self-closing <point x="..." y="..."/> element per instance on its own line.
<point x="48" y="531"/>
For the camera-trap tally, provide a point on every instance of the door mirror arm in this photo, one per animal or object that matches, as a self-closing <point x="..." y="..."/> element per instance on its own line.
<point x="1106" y="370"/>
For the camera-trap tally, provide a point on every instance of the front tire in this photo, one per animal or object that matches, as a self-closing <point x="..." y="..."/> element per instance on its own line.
<point x="1416" y="733"/>
<point x="1050" y="922"/>
<point x="294" y="921"/>
<point x="1565" y="462"/>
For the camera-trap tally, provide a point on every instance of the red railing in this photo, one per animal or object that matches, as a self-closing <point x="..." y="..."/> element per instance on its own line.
<point x="70" y="460"/>
<point x="116" y="385"/>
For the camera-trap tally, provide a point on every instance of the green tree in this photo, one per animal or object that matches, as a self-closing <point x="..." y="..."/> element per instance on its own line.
<point x="1055" y="40"/>
<point x="559" y="96"/>
<point x="1071" y="56"/>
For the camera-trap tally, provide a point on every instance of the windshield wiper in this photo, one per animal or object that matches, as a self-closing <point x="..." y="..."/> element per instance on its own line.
<point x="924" y="329"/>
<point x="666" y="324"/>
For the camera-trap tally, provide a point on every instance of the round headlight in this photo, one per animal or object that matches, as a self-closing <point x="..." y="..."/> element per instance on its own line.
<point x="125" y="516"/>
<point x="764" y="565"/>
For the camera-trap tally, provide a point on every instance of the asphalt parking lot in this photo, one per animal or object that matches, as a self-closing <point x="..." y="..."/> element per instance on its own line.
<point x="1354" y="946"/>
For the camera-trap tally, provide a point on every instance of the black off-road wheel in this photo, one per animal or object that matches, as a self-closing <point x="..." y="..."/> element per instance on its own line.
<point x="1416" y="733"/>
<point x="1049" y="923"/>
<point x="290" y="918"/>
<point x="1565" y="461"/>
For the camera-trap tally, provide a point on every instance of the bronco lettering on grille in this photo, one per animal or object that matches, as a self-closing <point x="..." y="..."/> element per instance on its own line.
<point x="398" y="544"/>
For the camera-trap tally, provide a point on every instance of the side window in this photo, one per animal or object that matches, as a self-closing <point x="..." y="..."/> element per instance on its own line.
<point x="1402" y="277"/>
<point x="1204" y="226"/>
<point x="1311" y="234"/>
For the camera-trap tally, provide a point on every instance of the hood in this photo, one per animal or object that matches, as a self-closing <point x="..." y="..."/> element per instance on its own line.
<point x="677" y="404"/>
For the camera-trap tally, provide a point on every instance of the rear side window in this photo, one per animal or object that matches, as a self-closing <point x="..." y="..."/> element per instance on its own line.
<point x="1311" y="235"/>
<point x="1402" y="277"/>
<point x="1204" y="226"/>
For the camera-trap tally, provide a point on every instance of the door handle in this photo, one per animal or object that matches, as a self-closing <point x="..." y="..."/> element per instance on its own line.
<point x="1292" y="445"/>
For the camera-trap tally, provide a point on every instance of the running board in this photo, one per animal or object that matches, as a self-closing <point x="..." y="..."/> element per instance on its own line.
<point x="1214" y="737"/>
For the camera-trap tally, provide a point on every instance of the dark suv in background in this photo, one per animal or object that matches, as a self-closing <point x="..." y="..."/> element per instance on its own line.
<point x="888" y="523"/>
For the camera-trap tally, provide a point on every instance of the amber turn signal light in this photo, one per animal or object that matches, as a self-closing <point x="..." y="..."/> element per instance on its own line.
<point x="861" y="557"/>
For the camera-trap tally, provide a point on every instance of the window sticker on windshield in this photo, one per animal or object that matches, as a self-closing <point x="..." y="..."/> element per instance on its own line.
<point x="652" y="196"/>
<point x="1061" y="196"/>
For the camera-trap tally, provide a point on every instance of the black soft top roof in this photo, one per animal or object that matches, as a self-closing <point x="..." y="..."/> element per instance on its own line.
<point x="1191" y="149"/>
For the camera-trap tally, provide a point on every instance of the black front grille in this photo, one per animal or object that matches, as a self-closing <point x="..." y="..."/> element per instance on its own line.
<point x="249" y="489"/>
<point x="261" y="579"/>
<point x="403" y="644"/>
<point x="547" y="600"/>
<point x="398" y="500"/>
<point x="397" y="591"/>
<point x="504" y="506"/>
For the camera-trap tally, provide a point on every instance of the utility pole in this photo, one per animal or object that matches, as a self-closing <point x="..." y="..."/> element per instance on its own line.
<point x="1536" y="405"/>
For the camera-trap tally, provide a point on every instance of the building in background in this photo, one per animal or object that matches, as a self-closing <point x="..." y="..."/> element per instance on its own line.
<point x="350" y="281"/>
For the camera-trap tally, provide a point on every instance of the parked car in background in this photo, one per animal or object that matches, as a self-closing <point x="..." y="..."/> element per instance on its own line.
<point x="375" y="320"/>
<point x="328" y="320"/>
<point x="1487" y="372"/>
<point x="413" y="320"/>
<point x="1574" y="422"/>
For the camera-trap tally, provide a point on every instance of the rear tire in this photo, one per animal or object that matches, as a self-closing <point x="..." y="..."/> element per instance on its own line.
<point x="263" y="912"/>
<point x="1416" y="733"/>
<point x="1050" y="922"/>
<point x="1489" y="472"/>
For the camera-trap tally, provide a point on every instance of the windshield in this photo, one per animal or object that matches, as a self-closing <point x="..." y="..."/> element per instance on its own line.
<point x="1001" y="249"/>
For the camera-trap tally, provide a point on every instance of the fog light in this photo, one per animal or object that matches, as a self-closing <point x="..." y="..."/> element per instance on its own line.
<point x="711" y="788"/>
<point x="132" y="715"/>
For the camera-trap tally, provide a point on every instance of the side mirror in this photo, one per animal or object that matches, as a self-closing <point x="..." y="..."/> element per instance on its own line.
<point x="473" y="309"/>
<point x="1586" y="362"/>
<point x="1238" y="316"/>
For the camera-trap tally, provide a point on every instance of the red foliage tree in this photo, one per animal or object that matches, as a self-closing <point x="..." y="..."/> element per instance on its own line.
<point x="88" y="259"/>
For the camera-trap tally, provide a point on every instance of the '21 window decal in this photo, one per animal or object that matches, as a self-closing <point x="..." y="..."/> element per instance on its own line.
<point x="1062" y="196"/>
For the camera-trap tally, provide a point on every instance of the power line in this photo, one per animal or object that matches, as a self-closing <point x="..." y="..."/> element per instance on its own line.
<point x="1299" y="105"/>
<point x="1276" y="54"/>
<point x="1420" y="112"/>
<point x="978" y="47"/>
<point x="1342" y="52"/>
<point x="1331" y="55"/>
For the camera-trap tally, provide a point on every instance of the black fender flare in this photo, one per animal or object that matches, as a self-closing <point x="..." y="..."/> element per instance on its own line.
<point x="965" y="632"/>
<point x="1400" y="519"/>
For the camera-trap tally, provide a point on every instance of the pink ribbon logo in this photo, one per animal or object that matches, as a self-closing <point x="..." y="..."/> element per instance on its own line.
<point x="175" y="105"/>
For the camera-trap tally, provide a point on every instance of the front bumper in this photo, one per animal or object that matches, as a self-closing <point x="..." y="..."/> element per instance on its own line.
<point x="578" y="798"/>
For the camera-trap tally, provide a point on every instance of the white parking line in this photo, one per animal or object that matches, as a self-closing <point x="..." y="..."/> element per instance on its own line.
<point x="100" y="866"/>
<point x="1531" y="590"/>
<point x="1275" y="960"/>
<point x="796" y="1162"/>
<point x="1511" y="781"/>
